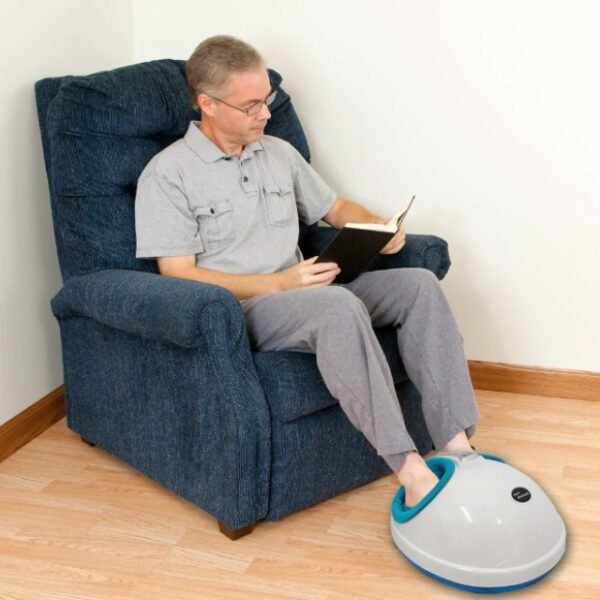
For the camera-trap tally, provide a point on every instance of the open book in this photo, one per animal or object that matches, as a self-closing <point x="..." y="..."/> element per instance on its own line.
<point x="357" y="244"/>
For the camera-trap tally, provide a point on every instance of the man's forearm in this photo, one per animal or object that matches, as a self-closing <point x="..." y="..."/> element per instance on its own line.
<point x="242" y="286"/>
<point x="346" y="211"/>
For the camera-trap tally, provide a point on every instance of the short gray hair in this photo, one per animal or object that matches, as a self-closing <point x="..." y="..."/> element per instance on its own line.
<point x="214" y="60"/>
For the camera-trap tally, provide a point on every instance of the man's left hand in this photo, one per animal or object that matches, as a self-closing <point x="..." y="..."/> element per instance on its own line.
<point x="396" y="243"/>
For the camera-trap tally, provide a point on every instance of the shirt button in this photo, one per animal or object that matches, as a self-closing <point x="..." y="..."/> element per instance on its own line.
<point x="245" y="179"/>
<point x="212" y="211"/>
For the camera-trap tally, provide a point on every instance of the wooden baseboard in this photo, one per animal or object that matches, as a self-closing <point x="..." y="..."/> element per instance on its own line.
<point x="30" y="423"/>
<point x="535" y="381"/>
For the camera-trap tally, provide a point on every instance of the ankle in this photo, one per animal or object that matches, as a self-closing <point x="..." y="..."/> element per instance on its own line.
<point x="414" y="468"/>
<point x="416" y="478"/>
<point x="459" y="443"/>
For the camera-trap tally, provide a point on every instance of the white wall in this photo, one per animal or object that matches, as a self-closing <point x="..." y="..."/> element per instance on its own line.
<point x="486" y="109"/>
<point x="39" y="39"/>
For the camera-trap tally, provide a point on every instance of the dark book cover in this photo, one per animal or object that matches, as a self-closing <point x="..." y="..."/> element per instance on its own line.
<point x="353" y="249"/>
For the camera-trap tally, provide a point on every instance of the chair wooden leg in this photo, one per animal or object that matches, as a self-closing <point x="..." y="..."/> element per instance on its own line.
<point x="234" y="534"/>
<point x="87" y="441"/>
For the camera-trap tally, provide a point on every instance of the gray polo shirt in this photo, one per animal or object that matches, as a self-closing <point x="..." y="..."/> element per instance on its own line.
<point x="237" y="215"/>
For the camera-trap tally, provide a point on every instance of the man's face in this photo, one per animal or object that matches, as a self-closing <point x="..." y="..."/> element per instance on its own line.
<point x="243" y="90"/>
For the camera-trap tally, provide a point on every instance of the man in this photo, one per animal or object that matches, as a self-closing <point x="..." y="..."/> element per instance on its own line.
<point x="221" y="206"/>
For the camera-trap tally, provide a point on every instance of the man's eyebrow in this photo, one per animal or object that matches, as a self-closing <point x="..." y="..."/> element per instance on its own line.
<point x="251" y="102"/>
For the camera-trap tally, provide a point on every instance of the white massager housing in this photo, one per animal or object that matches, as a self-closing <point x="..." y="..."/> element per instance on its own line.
<point x="485" y="527"/>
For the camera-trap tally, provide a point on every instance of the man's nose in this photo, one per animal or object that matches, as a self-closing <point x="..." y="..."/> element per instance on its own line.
<point x="264" y="113"/>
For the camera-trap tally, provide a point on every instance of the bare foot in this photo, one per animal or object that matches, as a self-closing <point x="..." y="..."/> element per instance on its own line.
<point x="417" y="478"/>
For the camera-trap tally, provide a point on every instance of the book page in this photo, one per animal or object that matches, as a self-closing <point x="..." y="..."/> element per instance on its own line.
<point x="391" y="226"/>
<point x="371" y="226"/>
<point x="396" y="221"/>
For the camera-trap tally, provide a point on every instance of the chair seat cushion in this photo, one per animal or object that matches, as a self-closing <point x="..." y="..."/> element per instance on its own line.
<point x="293" y="385"/>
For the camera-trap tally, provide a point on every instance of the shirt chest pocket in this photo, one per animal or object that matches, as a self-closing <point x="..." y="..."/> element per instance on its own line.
<point x="280" y="203"/>
<point x="215" y="224"/>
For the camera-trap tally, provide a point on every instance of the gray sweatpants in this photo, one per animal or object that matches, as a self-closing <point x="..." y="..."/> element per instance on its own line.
<point x="336" y="324"/>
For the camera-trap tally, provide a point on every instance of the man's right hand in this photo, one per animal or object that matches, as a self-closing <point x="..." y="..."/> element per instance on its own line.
<point x="308" y="274"/>
<point x="304" y="274"/>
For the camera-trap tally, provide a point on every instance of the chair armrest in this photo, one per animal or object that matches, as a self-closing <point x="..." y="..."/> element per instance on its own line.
<point x="153" y="306"/>
<point x="189" y="411"/>
<point x="424" y="251"/>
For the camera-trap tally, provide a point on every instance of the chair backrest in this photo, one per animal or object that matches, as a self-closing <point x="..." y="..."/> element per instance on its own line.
<point x="98" y="133"/>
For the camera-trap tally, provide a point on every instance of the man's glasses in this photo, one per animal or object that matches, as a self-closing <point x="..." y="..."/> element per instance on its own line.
<point x="255" y="108"/>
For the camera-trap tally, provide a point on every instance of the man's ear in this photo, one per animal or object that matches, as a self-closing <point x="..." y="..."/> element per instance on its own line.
<point x="206" y="104"/>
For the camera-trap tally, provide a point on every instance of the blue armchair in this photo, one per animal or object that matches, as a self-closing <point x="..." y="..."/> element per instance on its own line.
<point x="160" y="371"/>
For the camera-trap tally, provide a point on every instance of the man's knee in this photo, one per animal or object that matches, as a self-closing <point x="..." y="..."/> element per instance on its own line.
<point x="415" y="277"/>
<point x="337" y="301"/>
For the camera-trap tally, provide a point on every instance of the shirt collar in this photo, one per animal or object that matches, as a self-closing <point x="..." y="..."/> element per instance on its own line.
<point x="208" y="151"/>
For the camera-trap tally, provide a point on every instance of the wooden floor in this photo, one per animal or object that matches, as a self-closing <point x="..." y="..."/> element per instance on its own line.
<point x="76" y="523"/>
